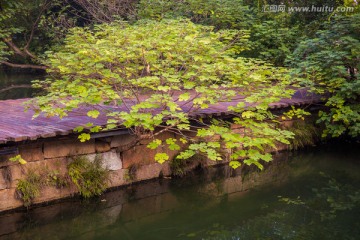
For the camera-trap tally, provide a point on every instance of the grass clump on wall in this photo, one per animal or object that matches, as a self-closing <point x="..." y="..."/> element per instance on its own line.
<point x="29" y="188"/>
<point x="306" y="134"/>
<point x="89" y="177"/>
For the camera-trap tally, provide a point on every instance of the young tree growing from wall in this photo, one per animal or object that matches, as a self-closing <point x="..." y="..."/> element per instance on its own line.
<point x="153" y="77"/>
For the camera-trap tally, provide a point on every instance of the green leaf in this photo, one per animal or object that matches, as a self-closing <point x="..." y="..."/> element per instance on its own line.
<point x="184" y="96"/>
<point x="154" y="144"/>
<point x="161" y="157"/>
<point x="78" y="129"/>
<point x="19" y="159"/>
<point x="172" y="144"/>
<point x="84" y="137"/>
<point x="95" y="129"/>
<point x="234" y="164"/>
<point x="93" y="113"/>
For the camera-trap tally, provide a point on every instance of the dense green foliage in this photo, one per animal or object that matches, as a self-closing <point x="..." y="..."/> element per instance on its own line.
<point x="223" y="14"/>
<point x="162" y="81"/>
<point x="173" y="59"/>
<point x="329" y="64"/>
<point x="28" y="28"/>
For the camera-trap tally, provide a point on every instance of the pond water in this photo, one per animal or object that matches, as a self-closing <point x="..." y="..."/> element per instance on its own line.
<point x="312" y="194"/>
<point x="17" y="85"/>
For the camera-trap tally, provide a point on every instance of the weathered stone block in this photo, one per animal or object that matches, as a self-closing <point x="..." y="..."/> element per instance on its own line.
<point x="102" y="146"/>
<point x="110" y="160"/>
<point x="142" y="155"/>
<point x="122" y="140"/>
<point x="148" y="171"/>
<point x="8" y="199"/>
<point x="4" y="160"/>
<point x="64" y="148"/>
<point x="138" y="155"/>
<point x="4" y="183"/>
<point x="41" y="167"/>
<point x="166" y="170"/>
<point x="31" y="152"/>
<point x="50" y="193"/>
<point x="17" y="172"/>
<point x="117" y="178"/>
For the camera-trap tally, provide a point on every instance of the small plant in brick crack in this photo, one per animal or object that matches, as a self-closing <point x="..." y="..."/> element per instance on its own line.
<point x="29" y="188"/>
<point x="54" y="178"/>
<point x="89" y="177"/>
<point x="130" y="173"/>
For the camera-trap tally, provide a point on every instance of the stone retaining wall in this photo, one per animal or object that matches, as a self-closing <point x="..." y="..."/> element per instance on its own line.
<point x="56" y="154"/>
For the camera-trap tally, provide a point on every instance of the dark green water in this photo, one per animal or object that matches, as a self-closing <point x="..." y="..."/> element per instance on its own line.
<point x="17" y="85"/>
<point x="313" y="194"/>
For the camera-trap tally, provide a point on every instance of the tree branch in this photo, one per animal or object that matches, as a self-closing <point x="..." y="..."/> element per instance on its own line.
<point x="33" y="28"/>
<point x="14" y="87"/>
<point x="29" y="53"/>
<point x="13" y="46"/>
<point x="32" y="66"/>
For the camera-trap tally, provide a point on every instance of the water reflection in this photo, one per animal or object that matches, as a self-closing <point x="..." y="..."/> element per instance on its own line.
<point x="330" y="212"/>
<point x="17" y="85"/>
<point x="319" y="200"/>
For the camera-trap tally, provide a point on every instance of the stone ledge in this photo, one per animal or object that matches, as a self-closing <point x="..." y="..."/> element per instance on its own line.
<point x="65" y="148"/>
